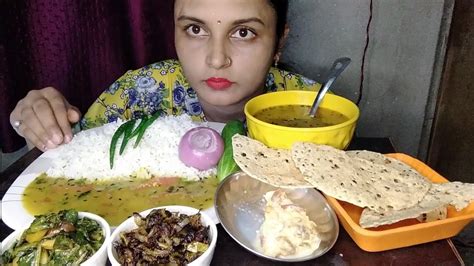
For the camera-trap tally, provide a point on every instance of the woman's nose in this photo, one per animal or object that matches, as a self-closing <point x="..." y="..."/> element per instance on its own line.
<point x="218" y="57"/>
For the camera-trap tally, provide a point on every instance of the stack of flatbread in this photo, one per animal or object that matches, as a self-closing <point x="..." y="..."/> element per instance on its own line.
<point x="387" y="189"/>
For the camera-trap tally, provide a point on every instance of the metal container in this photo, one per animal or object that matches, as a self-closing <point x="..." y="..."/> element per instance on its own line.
<point x="240" y="208"/>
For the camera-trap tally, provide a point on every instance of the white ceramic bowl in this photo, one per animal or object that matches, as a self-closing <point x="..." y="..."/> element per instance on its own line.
<point x="129" y="224"/>
<point x="99" y="258"/>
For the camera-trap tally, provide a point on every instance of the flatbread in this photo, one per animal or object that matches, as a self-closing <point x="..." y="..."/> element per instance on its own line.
<point x="271" y="166"/>
<point x="370" y="218"/>
<point x="358" y="181"/>
<point x="437" y="214"/>
<point x="388" y="189"/>
<point x="378" y="158"/>
<point x="432" y="207"/>
<point x="406" y="171"/>
<point x="458" y="194"/>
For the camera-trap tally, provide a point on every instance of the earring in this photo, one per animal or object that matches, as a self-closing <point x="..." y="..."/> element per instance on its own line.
<point x="276" y="59"/>
<point x="281" y="42"/>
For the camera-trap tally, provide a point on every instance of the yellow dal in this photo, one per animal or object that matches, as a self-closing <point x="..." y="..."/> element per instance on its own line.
<point x="115" y="200"/>
<point x="297" y="116"/>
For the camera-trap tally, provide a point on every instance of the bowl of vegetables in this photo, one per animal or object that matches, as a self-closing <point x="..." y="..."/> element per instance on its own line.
<point x="166" y="235"/>
<point x="64" y="238"/>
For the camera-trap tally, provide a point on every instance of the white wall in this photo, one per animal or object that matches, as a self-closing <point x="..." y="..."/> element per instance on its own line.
<point x="404" y="37"/>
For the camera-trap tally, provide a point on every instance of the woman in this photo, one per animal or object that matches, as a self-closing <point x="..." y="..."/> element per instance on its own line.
<point x="225" y="50"/>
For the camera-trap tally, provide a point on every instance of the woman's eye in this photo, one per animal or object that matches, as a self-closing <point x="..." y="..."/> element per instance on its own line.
<point x="244" y="34"/>
<point x="195" y="30"/>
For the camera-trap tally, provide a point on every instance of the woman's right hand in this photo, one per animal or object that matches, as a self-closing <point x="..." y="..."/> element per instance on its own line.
<point x="44" y="118"/>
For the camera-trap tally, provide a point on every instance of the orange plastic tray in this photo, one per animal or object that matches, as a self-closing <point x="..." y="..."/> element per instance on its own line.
<point x="407" y="232"/>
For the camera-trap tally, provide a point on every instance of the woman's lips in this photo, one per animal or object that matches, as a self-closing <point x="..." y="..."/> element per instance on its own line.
<point x="218" y="83"/>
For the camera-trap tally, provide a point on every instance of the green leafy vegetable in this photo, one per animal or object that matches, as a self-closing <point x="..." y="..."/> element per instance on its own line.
<point x="56" y="239"/>
<point x="71" y="216"/>
<point x="227" y="165"/>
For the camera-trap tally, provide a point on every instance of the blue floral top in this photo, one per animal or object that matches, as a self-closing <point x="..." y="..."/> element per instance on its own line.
<point x="162" y="86"/>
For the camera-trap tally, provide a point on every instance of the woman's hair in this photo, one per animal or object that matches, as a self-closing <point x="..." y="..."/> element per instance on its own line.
<point x="281" y="10"/>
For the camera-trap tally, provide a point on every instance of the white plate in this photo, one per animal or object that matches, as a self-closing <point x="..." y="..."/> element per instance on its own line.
<point x="16" y="216"/>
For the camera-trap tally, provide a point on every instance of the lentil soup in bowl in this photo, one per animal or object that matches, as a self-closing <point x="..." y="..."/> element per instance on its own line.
<point x="279" y="119"/>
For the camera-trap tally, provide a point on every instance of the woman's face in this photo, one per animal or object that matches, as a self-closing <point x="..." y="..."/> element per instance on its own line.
<point x="225" y="47"/>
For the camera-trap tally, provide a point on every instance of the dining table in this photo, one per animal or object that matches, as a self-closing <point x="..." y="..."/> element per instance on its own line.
<point x="344" y="252"/>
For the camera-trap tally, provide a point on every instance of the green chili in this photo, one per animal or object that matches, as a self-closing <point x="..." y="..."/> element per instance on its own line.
<point x="149" y="121"/>
<point x="114" y="141"/>
<point x="126" y="135"/>
<point x="140" y="126"/>
<point x="139" y="137"/>
<point x="128" y="132"/>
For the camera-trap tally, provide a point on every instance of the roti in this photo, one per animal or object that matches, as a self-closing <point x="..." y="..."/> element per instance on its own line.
<point x="271" y="166"/>
<point x="358" y="181"/>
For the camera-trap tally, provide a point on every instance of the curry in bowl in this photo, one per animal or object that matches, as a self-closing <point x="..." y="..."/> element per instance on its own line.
<point x="297" y="116"/>
<point x="67" y="237"/>
<point x="279" y="119"/>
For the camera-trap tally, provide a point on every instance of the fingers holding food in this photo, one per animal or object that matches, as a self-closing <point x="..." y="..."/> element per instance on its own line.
<point x="45" y="117"/>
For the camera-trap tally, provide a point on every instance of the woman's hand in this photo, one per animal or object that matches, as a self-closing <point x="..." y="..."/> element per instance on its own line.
<point x="44" y="118"/>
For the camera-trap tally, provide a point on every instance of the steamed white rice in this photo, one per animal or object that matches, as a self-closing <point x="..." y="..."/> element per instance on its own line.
<point x="87" y="155"/>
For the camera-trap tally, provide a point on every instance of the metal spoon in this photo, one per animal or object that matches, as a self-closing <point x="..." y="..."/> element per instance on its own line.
<point x="337" y="67"/>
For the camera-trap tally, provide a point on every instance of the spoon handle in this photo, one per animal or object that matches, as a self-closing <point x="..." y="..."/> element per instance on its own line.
<point x="337" y="67"/>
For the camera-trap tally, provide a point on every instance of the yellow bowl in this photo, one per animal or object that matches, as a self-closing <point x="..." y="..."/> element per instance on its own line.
<point x="338" y="136"/>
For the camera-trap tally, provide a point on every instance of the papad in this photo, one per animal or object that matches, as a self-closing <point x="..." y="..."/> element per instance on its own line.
<point x="357" y="181"/>
<point x="370" y="218"/>
<point x="432" y="206"/>
<point x="381" y="159"/>
<point x="270" y="166"/>
<point x="458" y="194"/>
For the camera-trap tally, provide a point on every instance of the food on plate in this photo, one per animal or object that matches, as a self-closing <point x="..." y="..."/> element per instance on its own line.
<point x="227" y="164"/>
<point x="434" y="215"/>
<point x="358" y="181"/>
<point x="127" y="132"/>
<point x="287" y="231"/>
<point x="147" y="176"/>
<point x="272" y="166"/>
<point x="370" y="218"/>
<point x="87" y="155"/>
<point x="380" y="159"/>
<point x="456" y="193"/>
<point x="298" y="116"/>
<point x="387" y="189"/>
<point x="163" y="237"/>
<point x="432" y="207"/>
<point x="61" y="238"/>
<point x="115" y="199"/>
<point x="201" y="148"/>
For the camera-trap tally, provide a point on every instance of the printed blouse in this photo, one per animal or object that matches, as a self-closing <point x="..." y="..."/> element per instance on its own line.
<point x="162" y="86"/>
